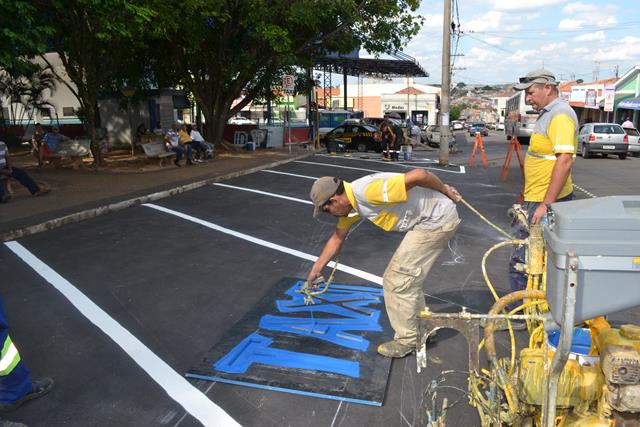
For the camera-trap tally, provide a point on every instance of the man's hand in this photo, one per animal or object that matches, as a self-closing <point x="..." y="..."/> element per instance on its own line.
<point x="540" y="211"/>
<point x="6" y="171"/>
<point x="452" y="193"/>
<point x="313" y="275"/>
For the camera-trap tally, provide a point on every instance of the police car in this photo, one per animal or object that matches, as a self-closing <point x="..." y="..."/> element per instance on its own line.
<point x="359" y="137"/>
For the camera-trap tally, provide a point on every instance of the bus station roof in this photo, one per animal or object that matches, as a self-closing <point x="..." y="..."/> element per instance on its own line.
<point x="404" y="67"/>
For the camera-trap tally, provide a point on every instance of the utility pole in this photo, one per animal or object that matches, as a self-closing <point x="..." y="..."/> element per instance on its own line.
<point x="446" y="85"/>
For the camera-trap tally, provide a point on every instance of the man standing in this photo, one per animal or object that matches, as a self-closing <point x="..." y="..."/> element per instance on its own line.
<point x="417" y="203"/>
<point x="548" y="162"/>
<point x="16" y="385"/>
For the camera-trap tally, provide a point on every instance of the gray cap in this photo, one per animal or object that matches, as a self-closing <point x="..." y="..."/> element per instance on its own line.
<point x="536" y="76"/>
<point x="322" y="190"/>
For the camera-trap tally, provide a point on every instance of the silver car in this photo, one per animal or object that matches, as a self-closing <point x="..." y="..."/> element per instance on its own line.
<point x="603" y="138"/>
<point x="634" y="141"/>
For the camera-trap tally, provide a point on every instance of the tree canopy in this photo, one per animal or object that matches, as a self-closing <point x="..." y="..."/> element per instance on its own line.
<point x="219" y="50"/>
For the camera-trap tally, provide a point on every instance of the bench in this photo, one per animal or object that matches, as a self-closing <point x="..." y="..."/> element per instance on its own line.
<point x="74" y="149"/>
<point x="156" y="150"/>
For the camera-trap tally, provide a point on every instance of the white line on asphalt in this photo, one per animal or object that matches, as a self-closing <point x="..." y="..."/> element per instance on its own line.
<point x="585" y="191"/>
<point x="400" y="162"/>
<point x="460" y="171"/>
<point x="289" y="174"/>
<point x="289" y="251"/>
<point x="176" y="386"/>
<point x="279" y="196"/>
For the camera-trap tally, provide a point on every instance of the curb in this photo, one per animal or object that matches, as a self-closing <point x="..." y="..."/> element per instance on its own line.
<point x="114" y="207"/>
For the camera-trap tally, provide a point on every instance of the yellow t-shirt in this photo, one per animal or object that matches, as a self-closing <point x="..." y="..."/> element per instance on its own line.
<point x="555" y="133"/>
<point x="183" y="137"/>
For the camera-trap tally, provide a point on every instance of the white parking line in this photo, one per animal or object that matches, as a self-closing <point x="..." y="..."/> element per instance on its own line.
<point x="289" y="174"/>
<point x="279" y="196"/>
<point x="177" y="387"/>
<point x="461" y="169"/>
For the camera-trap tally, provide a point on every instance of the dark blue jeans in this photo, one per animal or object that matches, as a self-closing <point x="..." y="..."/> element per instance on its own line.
<point x="179" y="152"/>
<point x="519" y="279"/>
<point x="24" y="179"/>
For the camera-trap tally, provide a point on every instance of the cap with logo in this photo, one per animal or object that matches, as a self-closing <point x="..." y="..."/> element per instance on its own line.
<point x="536" y="76"/>
<point x="321" y="191"/>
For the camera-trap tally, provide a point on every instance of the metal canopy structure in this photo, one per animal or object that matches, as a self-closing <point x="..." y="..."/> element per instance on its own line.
<point x="402" y="66"/>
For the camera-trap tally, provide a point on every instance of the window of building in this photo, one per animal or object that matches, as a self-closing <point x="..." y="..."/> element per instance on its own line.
<point x="45" y="112"/>
<point x="68" y="112"/>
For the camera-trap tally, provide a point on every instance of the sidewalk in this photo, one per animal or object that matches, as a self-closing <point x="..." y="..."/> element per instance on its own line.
<point x="124" y="182"/>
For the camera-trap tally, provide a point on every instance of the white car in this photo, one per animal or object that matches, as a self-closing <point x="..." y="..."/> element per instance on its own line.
<point x="458" y="126"/>
<point x="239" y="120"/>
<point x="634" y="141"/>
<point x="500" y="126"/>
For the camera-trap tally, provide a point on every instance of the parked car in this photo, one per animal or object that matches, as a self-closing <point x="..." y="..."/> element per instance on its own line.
<point x="478" y="128"/>
<point x="239" y="120"/>
<point x="634" y="141"/>
<point x="458" y="126"/>
<point x="500" y="126"/>
<point x="431" y="135"/>
<point x="604" y="138"/>
<point x="354" y="137"/>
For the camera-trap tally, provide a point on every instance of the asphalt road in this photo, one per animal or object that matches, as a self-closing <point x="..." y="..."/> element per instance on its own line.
<point x="119" y="307"/>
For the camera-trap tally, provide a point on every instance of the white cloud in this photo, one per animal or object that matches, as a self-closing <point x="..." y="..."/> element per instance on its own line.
<point x="598" y="36"/>
<point x="496" y="41"/>
<point x="582" y="8"/>
<point x="581" y="50"/>
<point x="625" y="49"/>
<point x="551" y="47"/>
<point x="524" y="56"/>
<point x="571" y="24"/>
<point x="515" y="43"/>
<point x="514" y="27"/>
<point x="489" y="21"/>
<point x="523" y="5"/>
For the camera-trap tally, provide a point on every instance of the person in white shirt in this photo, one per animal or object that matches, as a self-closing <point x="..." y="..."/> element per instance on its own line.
<point x="627" y="123"/>
<point x="197" y="137"/>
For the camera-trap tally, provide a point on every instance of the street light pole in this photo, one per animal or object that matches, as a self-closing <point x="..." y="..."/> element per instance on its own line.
<point x="128" y="92"/>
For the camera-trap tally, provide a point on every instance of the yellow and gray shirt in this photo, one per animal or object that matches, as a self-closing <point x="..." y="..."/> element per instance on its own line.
<point x="383" y="199"/>
<point x="556" y="132"/>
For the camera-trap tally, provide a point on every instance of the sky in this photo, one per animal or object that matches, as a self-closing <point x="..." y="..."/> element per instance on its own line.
<point x="504" y="39"/>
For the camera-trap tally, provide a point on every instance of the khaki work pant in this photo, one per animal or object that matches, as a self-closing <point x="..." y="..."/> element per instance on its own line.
<point x="403" y="278"/>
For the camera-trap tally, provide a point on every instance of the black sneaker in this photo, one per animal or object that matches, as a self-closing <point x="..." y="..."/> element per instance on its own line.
<point x="175" y="162"/>
<point x="39" y="387"/>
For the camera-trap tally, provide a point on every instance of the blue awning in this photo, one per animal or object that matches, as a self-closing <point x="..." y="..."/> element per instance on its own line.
<point x="630" y="104"/>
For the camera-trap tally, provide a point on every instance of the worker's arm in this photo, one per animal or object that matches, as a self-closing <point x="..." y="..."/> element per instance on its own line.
<point x="330" y="250"/>
<point x="422" y="178"/>
<point x="559" y="176"/>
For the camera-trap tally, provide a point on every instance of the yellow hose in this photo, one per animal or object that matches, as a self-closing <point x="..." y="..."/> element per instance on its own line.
<point x="474" y="210"/>
<point x="484" y="262"/>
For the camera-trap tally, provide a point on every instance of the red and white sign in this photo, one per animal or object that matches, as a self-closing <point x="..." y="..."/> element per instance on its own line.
<point x="288" y="83"/>
<point x="609" y="97"/>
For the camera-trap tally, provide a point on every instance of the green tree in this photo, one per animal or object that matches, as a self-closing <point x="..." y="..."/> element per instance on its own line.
<point x="96" y="41"/>
<point x="460" y="85"/>
<point x="454" y="113"/>
<point x="225" y="50"/>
